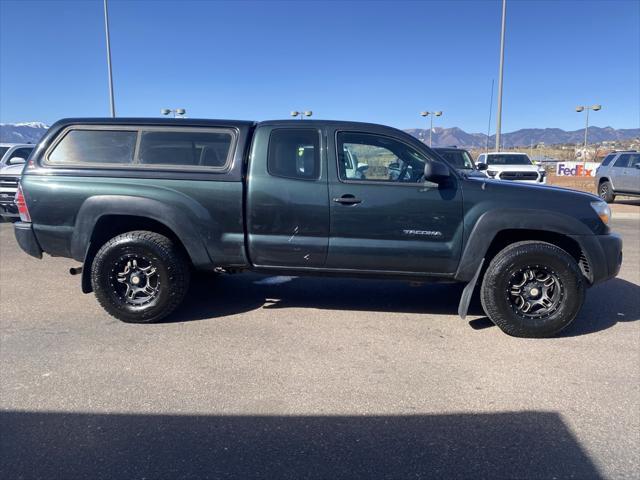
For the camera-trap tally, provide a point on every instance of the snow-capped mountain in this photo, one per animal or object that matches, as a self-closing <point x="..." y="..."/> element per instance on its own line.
<point x="24" y="132"/>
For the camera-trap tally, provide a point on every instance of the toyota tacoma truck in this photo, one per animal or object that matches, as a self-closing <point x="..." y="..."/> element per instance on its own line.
<point x="142" y="203"/>
<point x="511" y="166"/>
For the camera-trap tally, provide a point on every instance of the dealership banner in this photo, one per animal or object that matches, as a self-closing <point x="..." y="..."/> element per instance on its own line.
<point x="576" y="169"/>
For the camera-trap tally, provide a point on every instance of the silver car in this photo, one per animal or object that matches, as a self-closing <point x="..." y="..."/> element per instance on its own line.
<point x="619" y="174"/>
<point x="12" y="159"/>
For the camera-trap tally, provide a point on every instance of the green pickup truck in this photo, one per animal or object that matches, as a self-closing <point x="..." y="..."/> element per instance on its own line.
<point x="144" y="202"/>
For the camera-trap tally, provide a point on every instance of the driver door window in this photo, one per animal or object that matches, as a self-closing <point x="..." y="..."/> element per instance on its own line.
<point x="622" y="161"/>
<point x="383" y="216"/>
<point x="632" y="173"/>
<point x="374" y="158"/>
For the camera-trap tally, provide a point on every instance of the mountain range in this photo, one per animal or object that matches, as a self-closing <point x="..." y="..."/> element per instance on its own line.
<point x="30" y="132"/>
<point x="442" y="137"/>
<point x="27" y="132"/>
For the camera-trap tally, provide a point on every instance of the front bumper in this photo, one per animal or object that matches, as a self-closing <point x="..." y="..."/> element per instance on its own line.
<point x="8" y="187"/>
<point x="604" y="255"/>
<point x="612" y="248"/>
<point x="27" y="239"/>
<point x="8" y="210"/>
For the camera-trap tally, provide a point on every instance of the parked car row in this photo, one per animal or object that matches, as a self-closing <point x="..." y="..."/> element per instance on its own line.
<point x="12" y="159"/>
<point x="512" y="166"/>
<point x="619" y="173"/>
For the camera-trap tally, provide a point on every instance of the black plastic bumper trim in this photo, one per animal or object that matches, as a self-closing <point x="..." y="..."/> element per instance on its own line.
<point x="604" y="254"/>
<point x="27" y="239"/>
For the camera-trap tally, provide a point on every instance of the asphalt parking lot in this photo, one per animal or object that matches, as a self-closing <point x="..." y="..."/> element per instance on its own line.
<point x="277" y="377"/>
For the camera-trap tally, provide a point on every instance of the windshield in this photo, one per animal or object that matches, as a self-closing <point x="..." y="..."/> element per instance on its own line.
<point x="458" y="158"/>
<point x="507" y="159"/>
<point x="22" y="153"/>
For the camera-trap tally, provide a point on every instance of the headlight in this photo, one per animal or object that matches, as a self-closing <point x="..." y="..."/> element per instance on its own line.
<point x="491" y="173"/>
<point x="603" y="211"/>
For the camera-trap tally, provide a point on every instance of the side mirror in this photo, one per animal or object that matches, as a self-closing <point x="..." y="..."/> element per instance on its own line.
<point x="16" y="161"/>
<point x="482" y="166"/>
<point x="436" y="172"/>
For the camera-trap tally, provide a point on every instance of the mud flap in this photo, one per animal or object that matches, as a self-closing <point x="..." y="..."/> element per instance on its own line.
<point x="465" y="299"/>
<point x="86" y="271"/>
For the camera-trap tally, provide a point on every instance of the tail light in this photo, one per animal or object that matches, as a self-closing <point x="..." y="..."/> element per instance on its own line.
<point x="20" y="202"/>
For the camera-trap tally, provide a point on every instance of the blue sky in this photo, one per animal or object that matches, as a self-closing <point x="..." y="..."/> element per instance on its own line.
<point x="366" y="60"/>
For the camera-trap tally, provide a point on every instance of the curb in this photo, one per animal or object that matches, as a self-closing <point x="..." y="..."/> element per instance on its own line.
<point x="625" y="216"/>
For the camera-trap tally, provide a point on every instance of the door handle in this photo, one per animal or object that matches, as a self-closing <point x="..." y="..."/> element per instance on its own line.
<point x="347" y="199"/>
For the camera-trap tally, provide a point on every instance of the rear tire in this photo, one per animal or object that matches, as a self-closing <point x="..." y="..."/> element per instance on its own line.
<point x="532" y="290"/>
<point x="140" y="276"/>
<point x="605" y="191"/>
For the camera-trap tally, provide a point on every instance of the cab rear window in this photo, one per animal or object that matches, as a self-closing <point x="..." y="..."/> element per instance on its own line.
<point x="175" y="148"/>
<point x="184" y="148"/>
<point x="94" y="147"/>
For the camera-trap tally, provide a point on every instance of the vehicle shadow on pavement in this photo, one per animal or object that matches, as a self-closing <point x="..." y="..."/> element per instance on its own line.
<point x="628" y="201"/>
<point x="214" y="297"/>
<point x="606" y="304"/>
<point x="497" y="445"/>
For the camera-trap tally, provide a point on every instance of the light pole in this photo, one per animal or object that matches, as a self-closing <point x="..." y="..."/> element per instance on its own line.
<point x="301" y="114"/>
<point x="500" y="72"/>
<point x="489" y="124"/>
<point x="106" y="31"/>
<point x="586" y="108"/>
<point x="531" y="148"/>
<point x="177" y="112"/>
<point x="430" y="115"/>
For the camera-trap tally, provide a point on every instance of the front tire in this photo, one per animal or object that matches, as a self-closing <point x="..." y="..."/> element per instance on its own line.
<point x="605" y="191"/>
<point x="140" y="276"/>
<point x="532" y="290"/>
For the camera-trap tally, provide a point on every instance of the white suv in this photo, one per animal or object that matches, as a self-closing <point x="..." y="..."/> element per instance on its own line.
<point x="12" y="158"/>
<point x="512" y="166"/>
<point x="14" y="153"/>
